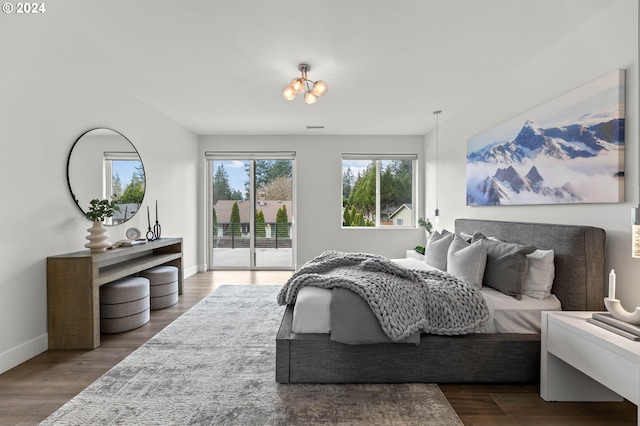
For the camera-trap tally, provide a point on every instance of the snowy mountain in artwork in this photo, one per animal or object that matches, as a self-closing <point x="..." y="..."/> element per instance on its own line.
<point x="565" y="164"/>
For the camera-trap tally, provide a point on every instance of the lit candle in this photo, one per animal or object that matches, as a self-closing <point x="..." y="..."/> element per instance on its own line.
<point x="148" y="218"/>
<point x="612" y="284"/>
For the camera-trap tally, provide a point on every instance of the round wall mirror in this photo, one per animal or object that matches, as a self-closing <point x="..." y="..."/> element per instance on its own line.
<point x="104" y="164"/>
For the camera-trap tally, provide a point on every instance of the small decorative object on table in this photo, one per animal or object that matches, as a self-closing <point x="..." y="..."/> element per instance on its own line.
<point x="618" y="320"/>
<point x="609" y="322"/>
<point x="613" y="305"/>
<point x="134" y="238"/>
<point x="98" y="211"/>
<point x="153" y="234"/>
<point x="156" y="228"/>
<point x="150" y="236"/>
<point x="133" y="234"/>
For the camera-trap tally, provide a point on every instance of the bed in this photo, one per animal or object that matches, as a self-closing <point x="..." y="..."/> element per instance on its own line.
<point x="579" y="284"/>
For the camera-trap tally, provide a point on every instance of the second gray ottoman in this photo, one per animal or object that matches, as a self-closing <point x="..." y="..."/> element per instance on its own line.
<point x="163" y="281"/>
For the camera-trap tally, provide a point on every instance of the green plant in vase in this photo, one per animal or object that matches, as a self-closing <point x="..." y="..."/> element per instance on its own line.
<point x="98" y="211"/>
<point x="425" y="224"/>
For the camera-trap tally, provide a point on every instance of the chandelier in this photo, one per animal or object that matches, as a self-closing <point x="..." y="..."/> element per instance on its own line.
<point x="313" y="89"/>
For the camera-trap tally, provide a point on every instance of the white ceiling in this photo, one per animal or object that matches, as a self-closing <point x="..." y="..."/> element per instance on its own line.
<point x="218" y="67"/>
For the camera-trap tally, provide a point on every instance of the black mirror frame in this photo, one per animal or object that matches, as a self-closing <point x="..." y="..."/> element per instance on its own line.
<point x="73" y="195"/>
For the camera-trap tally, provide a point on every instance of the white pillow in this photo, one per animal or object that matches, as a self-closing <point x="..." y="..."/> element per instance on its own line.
<point x="435" y="254"/>
<point x="539" y="278"/>
<point x="467" y="261"/>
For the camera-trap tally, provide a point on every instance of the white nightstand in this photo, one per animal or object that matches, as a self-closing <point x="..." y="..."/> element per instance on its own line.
<point x="414" y="254"/>
<point x="583" y="362"/>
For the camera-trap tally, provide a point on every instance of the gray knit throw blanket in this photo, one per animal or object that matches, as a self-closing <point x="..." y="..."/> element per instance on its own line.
<point x="404" y="300"/>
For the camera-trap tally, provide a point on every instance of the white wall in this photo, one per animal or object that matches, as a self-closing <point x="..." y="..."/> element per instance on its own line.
<point x="46" y="102"/>
<point x="606" y="43"/>
<point x="319" y="190"/>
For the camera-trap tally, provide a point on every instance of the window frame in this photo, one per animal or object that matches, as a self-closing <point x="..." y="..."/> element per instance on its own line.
<point x="108" y="159"/>
<point x="379" y="158"/>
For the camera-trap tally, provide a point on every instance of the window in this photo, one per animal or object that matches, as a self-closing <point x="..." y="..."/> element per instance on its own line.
<point x="124" y="183"/>
<point x="378" y="190"/>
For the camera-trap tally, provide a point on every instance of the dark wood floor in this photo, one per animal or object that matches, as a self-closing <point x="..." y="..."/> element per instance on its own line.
<point x="33" y="390"/>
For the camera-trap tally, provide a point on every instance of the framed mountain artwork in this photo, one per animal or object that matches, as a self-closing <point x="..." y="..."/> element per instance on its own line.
<point x="569" y="150"/>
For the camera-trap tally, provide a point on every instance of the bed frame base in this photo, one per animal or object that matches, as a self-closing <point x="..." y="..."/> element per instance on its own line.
<point x="479" y="358"/>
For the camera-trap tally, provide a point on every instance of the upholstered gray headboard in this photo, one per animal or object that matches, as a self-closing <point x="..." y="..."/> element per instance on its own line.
<point x="578" y="256"/>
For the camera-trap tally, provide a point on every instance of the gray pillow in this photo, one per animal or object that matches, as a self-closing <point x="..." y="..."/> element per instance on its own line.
<point x="467" y="261"/>
<point x="467" y="237"/>
<point x="539" y="279"/>
<point x="435" y="254"/>
<point x="506" y="266"/>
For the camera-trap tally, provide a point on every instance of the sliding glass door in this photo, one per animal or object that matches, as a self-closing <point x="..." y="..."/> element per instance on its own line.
<point x="251" y="200"/>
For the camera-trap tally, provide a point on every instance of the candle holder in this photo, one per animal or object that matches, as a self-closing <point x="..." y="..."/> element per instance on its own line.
<point x="617" y="311"/>
<point x="156" y="227"/>
<point x="150" y="234"/>
<point x="156" y="231"/>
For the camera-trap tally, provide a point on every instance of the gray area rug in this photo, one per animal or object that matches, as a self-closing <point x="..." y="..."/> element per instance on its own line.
<point x="215" y="365"/>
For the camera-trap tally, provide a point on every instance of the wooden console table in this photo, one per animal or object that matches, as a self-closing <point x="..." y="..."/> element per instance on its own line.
<point x="74" y="280"/>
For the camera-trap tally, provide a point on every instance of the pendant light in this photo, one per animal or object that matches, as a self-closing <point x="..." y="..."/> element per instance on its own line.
<point x="635" y="233"/>
<point x="635" y="212"/>
<point x="437" y="212"/>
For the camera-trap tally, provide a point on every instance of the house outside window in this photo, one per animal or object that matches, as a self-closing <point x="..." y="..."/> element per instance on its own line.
<point x="378" y="190"/>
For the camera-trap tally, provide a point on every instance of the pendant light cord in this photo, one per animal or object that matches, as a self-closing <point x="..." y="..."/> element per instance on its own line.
<point x="635" y="212"/>
<point x="437" y="113"/>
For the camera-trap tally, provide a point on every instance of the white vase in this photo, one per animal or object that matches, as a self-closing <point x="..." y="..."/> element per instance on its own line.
<point x="98" y="238"/>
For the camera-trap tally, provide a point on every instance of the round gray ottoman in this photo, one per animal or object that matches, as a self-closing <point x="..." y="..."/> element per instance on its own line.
<point x="163" y="281"/>
<point x="124" y="304"/>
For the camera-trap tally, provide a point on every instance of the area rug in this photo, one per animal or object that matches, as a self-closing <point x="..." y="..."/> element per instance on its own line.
<point x="215" y="365"/>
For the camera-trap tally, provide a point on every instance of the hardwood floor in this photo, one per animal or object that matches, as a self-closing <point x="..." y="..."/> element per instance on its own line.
<point x="33" y="390"/>
<point x="509" y="405"/>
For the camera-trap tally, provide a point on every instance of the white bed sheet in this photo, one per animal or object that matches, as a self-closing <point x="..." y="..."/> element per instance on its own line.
<point x="311" y="313"/>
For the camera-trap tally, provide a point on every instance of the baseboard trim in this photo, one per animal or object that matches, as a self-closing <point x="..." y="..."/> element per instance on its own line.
<point x="23" y="352"/>
<point x="191" y="271"/>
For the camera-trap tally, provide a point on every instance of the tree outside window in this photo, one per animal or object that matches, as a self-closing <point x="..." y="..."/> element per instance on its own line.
<point x="378" y="192"/>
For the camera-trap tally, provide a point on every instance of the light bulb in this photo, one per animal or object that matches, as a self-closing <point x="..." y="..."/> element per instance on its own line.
<point x="298" y="85"/>
<point x="289" y="93"/>
<point x="310" y="98"/>
<point x="319" y="88"/>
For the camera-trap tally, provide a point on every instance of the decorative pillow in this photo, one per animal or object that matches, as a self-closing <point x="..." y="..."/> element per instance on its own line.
<point x="435" y="254"/>
<point x="539" y="278"/>
<point x="467" y="261"/>
<point x="506" y="265"/>
<point x="467" y="237"/>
